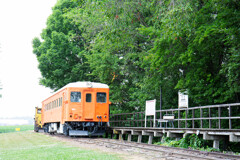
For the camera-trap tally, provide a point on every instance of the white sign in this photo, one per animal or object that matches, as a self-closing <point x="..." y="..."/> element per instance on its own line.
<point x="150" y="111"/>
<point x="150" y="107"/>
<point x="182" y="100"/>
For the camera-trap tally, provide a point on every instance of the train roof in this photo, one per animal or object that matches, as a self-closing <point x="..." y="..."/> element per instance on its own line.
<point x="86" y="85"/>
<point x="81" y="85"/>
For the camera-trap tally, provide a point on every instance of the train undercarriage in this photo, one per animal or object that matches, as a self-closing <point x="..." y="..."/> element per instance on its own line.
<point x="77" y="128"/>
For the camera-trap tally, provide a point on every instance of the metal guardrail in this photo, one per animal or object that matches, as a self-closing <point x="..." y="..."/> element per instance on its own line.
<point x="224" y="116"/>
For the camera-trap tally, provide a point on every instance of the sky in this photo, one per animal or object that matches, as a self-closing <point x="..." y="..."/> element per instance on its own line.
<point x="20" y="22"/>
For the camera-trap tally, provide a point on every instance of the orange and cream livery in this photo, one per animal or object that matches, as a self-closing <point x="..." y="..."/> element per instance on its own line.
<point x="77" y="109"/>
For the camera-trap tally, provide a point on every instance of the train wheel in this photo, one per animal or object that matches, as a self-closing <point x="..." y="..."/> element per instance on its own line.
<point x="35" y="127"/>
<point x="65" y="130"/>
<point x="45" y="128"/>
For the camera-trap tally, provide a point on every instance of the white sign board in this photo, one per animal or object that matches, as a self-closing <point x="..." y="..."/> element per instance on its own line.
<point x="150" y="107"/>
<point x="150" y="110"/>
<point x="182" y="100"/>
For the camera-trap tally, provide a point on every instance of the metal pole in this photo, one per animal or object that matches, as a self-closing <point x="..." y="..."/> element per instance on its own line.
<point x="160" y="105"/>
<point x="160" y="98"/>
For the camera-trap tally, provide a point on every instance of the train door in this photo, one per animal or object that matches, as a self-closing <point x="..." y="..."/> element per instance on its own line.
<point x="89" y="105"/>
<point x="64" y="110"/>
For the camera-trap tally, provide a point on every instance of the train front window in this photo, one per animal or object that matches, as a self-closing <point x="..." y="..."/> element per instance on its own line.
<point x="39" y="111"/>
<point x="101" y="97"/>
<point x="88" y="97"/>
<point x="75" y="96"/>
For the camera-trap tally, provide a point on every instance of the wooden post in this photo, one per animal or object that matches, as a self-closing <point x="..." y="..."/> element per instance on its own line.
<point x="201" y="124"/>
<point x="216" y="144"/>
<point x="179" y="119"/>
<point x="193" y="115"/>
<point x="139" y="138"/>
<point x="210" y="121"/>
<point x="219" y="117"/>
<point x="150" y="138"/>
<point x="230" y="115"/>
<point x="137" y="119"/>
<point x="134" y="120"/>
<point x="160" y="117"/>
<point x="186" y="118"/>
<point x="129" y="137"/>
<point x="120" y="137"/>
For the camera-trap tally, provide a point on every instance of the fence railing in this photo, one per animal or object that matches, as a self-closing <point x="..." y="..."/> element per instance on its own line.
<point x="224" y="116"/>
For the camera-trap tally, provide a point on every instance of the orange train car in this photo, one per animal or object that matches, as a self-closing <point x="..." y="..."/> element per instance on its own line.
<point x="77" y="109"/>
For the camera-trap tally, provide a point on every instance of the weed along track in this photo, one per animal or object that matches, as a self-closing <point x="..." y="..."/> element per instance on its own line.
<point x="146" y="151"/>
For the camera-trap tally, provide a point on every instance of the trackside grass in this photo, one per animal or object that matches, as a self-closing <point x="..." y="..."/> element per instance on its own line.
<point x="6" y="129"/>
<point x="28" y="145"/>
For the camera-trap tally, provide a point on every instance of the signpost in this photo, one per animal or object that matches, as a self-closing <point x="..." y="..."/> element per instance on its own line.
<point x="150" y="111"/>
<point x="182" y="100"/>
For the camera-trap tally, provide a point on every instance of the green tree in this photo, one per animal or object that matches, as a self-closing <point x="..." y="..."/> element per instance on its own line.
<point x="61" y="53"/>
<point x="115" y="49"/>
<point x="140" y="47"/>
<point x="195" y="44"/>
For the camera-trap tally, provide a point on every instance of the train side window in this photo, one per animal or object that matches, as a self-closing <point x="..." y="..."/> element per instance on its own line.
<point x="75" y="96"/>
<point x="101" y="97"/>
<point x="88" y="97"/>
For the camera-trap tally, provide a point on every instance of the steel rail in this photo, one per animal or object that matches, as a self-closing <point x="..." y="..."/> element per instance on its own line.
<point x="168" y="152"/>
<point x="200" y="154"/>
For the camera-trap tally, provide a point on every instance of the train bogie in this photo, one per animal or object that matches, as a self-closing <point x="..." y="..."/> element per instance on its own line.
<point x="80" y="108"/>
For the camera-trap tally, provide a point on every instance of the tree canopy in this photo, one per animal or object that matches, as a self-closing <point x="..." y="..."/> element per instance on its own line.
<point x="140" y="47"/>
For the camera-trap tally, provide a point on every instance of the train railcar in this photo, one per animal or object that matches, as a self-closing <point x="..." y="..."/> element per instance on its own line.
<point x="38" y="119"/>
<point x="77" y="109"/>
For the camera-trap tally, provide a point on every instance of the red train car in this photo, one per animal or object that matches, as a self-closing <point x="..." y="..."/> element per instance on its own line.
<point x="77" y="109"/>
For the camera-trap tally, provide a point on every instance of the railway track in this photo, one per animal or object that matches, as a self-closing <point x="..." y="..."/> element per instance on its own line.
<point x="153" y="151"/>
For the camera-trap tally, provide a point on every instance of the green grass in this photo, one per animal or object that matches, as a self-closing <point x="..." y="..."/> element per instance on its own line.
<point x="6" y="129"/>
<point x="28" y="145"/>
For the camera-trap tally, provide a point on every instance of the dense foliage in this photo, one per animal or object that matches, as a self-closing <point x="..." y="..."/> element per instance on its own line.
<point x="138" y="47"/>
